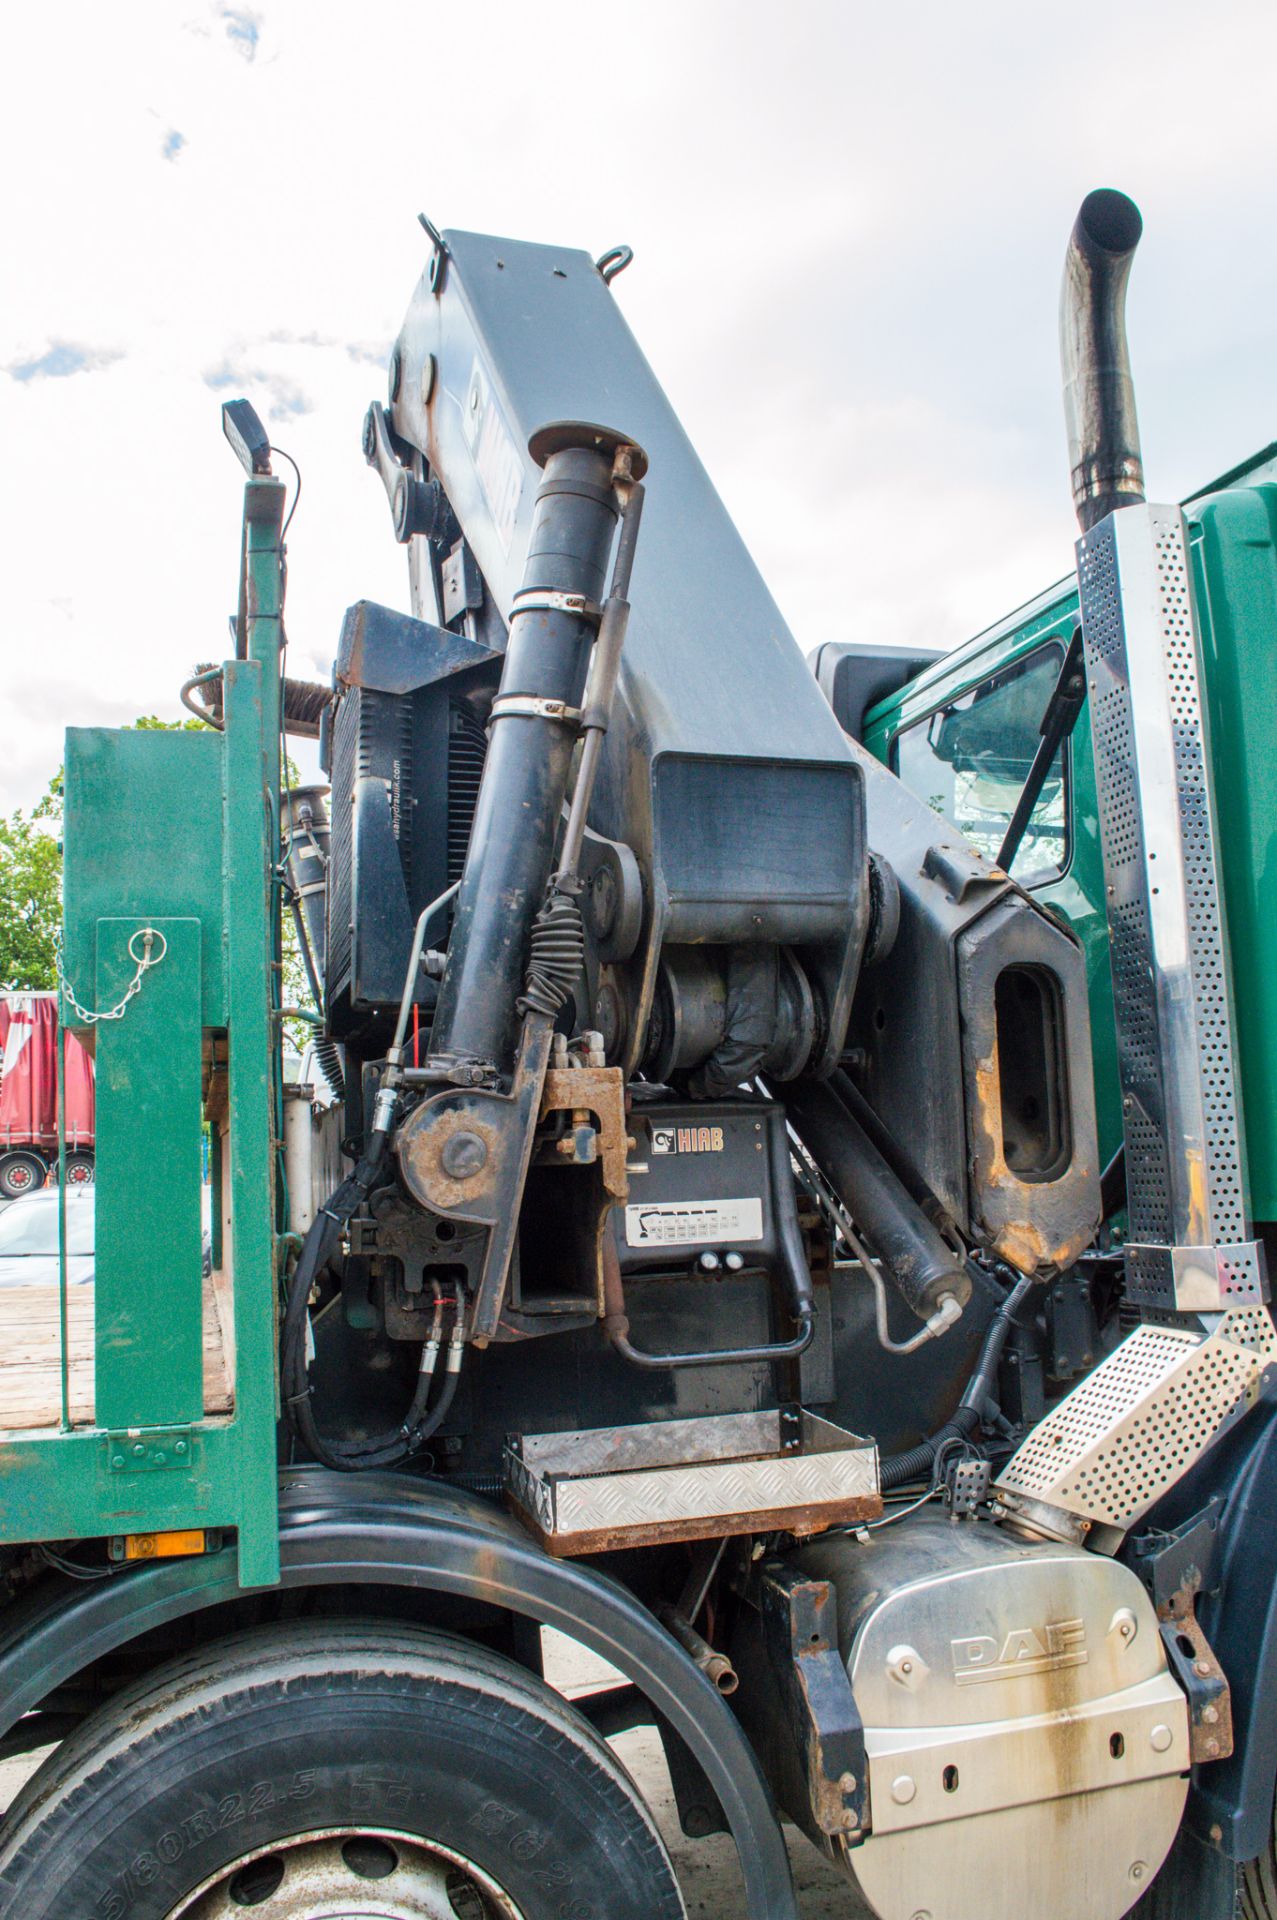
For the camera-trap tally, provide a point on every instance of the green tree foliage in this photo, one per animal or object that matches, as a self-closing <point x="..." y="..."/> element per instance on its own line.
<point x="31" y="892"/>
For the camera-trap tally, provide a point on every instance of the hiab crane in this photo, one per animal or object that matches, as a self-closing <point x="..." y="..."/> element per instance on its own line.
<point x="733" y="1216"/>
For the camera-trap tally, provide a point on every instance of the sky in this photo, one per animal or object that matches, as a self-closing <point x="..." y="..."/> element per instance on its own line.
<point x="848" y="223"/>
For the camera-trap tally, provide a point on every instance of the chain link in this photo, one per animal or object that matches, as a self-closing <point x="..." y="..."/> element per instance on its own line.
<point x="145" y="960"/>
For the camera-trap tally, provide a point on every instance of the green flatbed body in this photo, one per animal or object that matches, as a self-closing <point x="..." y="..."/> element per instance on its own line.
<point x="1233" y="535"/>
<point x="178" y="833"/>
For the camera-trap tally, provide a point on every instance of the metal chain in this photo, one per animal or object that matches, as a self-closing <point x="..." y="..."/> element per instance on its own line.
<point x="146" y="959"/>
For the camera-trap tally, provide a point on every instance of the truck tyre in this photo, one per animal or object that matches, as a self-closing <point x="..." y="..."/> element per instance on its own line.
<point x="339" y="1768"/>
<point x="79" y="1169"/>
<point x="21" y="1174"/>
<point x="1259" y="1883"/>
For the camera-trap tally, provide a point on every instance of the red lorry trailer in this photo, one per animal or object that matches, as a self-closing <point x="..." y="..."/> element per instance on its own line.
<point x="29" y="1097"/>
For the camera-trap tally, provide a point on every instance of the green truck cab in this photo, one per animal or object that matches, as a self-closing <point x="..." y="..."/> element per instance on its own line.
<point x="962" y="734"/>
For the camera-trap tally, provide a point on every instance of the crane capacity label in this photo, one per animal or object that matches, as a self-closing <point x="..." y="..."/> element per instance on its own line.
<point x="693" y="1223"/>
<point x="496" y="458"/>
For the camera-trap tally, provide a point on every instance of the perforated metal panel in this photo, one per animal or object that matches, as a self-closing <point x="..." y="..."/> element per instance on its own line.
<point x="1134" y="1426"/>
<point x="1191" y="1243"/>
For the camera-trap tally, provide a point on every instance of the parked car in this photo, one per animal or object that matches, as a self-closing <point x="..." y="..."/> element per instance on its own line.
<point x="29" y="1239"/>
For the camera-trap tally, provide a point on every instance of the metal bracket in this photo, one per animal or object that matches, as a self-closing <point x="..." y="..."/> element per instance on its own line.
<point x="1183" y="1557"/>
<point x="461" y="582"/>
<point x="1192" y="1660"/>
<point x="149" y="1449"/>
<point x="800" y="1624"/>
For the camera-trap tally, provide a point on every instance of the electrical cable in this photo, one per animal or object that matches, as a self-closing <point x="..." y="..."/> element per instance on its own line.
<point x="297" y="494"/>
<point x="898" y="1469"/>
<point x="74" y="1570"/>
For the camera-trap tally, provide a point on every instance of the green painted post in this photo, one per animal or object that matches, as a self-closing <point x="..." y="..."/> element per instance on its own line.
<point x="64" y="1358"/>
<point x="250" y="1144"/>
<point x="148" y="1335"/>
<point x="250" y="854"/>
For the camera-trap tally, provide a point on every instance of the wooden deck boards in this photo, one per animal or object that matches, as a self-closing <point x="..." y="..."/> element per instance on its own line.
<point x="30" y="1383"/>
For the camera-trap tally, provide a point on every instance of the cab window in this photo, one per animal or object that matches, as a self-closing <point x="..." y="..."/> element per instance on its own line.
<point x="970" y="759"/>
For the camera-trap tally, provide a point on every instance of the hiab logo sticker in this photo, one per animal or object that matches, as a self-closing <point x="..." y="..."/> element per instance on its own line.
<point x="687" y="1139"/>
<point x="1062" y="1643"/>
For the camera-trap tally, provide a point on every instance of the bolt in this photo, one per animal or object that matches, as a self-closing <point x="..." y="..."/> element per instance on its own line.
<point x="159" y="1459"/>
<point x="1160" y="1739"/>
<point x="847" y="1783"/>
<point x="1210" y="1715"/>
<point x="1212" y="1749"/>
<point x="923" y="1913"/>
<point x="903" y="1789"/>
<point x="180" y="1447"/>
<point x="117" y="1461"/>
<point x="1202" y="1667"/>
<point x="139" y="1448"/>
<point x="1138" y="1870"/>
<point x="463" y="1155"/>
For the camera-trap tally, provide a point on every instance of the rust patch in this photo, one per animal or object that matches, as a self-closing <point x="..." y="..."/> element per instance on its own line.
<point x="1210" y="1704"/>
<point x="802" y="1521"/>
<point x="1023" y="1234"/>
<point x="600" y="1091"/>
<point x="421" y="1151"/>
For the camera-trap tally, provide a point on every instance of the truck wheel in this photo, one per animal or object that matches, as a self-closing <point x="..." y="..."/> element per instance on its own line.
<point x="1259" y="1883"/>
<point x="79" y="1169"/>
<point x="335" y="1768"/>
<point x="21" y="1174"/>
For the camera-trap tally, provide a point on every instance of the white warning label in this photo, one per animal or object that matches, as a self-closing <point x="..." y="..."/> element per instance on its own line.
<point x="693" y="1223"/>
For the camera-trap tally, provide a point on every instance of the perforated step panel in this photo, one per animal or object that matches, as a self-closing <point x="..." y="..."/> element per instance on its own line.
<point x="1134" y="1427"/>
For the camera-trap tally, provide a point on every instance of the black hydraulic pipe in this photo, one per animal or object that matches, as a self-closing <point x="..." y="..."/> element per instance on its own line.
<point x="922" y="1264"/>
<point x="525" y="775"/>
<point x="1099" y="396"/>
<point x="891" y="1150"/>
<point x="1062" y="710"/>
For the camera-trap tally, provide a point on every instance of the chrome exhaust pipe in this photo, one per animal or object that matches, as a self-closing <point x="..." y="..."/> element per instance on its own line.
<point x="1099" y="397"/>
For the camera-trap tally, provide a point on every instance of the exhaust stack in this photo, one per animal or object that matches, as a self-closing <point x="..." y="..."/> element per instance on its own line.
<point x="1192" y="1246"/>
<point x="1099" y="397"/>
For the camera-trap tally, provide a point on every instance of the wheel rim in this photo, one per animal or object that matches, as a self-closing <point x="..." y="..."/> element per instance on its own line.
<point x="349" y="1873"/>
<point x="20" y="1178"/>
<point x="79" y="1174"/>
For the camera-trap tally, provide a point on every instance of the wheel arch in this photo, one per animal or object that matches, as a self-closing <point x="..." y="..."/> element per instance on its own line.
<point x="385" y="1530"/>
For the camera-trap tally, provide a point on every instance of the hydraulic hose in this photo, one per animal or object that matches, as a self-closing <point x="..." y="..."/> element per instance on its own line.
<point x="898" y="1469"/>
<point x="388" y="1449"/>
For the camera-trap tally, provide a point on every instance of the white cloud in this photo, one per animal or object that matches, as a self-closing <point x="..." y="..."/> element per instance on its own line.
<point x="848" y="223"/>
